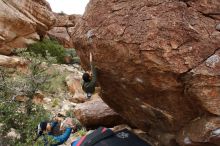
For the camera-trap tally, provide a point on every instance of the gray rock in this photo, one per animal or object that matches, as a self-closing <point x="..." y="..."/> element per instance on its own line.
<point x="217" y="27"/>
<point x="13" y="134"/>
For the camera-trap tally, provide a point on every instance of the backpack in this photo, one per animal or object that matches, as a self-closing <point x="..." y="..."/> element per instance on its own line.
<point x="106" y="137"/>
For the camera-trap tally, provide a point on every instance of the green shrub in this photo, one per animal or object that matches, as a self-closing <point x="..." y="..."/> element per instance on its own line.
<point x="23" y="117"/>
<point x="57" y="84"/>
<point x="76" y="60"/>
<point x="50" y="46"/>
<point x="69" y="113"/>
<point x="72" y="54"/>
<point x="55" y="102"/>
<point x="13" y="116"/>
<point x="61" y="13"/>
<point x="80" y="132"/>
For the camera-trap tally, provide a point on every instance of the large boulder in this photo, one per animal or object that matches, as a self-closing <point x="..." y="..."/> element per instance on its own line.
<point x="95" y="113"/>
<point x="63" y="29"/>
<point x="158" y="60"/>
<point x="22" y="22"/>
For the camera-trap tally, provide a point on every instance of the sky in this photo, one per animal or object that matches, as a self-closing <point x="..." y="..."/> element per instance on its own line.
<point x="68" y="6"/>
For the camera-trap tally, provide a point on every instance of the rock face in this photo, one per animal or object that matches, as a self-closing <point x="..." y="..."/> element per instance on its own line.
<point x="73" y="82"/>
<point x="207" y="135"/>
<point x="13" y="62"/>
<point x="22" y="22"/>
<point x="63" y="29"/>
<point x="158" y="61"/>
<point x="96" y="113"/>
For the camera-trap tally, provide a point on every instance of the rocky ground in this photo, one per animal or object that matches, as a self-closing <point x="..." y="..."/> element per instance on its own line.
<point x="68" y="99"/>
<point x="65" y="96"/>
<point x="72" y="102"/>
<point x="60" y="100"/>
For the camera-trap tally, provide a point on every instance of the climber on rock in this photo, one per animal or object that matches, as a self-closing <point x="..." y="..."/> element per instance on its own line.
<point x="56" y="132"/>
<point x="89" y="81"/>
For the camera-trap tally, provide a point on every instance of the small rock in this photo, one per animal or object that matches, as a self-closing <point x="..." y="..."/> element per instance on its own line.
<point x="216" y="132"/>
<point x="217" y="27"/>
<point x="209" y="132"/>
<point x="38" y="98"/>
<point x="212" y="61"/>
<point x="47" y="100"/>
<point x="78" y="98"/>
<point x="13" y="134"/>
<point x="21" y="98"/>
<point x="120" y="127"/>
<point x="66" y="107"/>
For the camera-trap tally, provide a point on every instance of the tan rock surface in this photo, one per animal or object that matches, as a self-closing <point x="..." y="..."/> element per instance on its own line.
<point x="73" y="82"/>
<point x="64" y="20"/>
<point x="13" y="61"/>
<point x="95" y="113"/>
<point x="64" y="29"/>
<point x="201" y="132"/>
<point x="38" y="98"/>
<point x="61" y="34"/>
<point x="20" y="19"/>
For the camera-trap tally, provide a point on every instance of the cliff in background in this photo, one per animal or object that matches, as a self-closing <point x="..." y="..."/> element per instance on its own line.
<point x="25" y="21"/>
<point x="64" y="28"/>
<point x="22" y="22"/>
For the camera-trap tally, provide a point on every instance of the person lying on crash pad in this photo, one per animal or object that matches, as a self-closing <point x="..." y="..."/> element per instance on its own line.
<point x="49" y="133"/>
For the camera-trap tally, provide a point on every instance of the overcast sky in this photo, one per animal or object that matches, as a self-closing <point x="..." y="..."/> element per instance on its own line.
<point x="68" y="6"/>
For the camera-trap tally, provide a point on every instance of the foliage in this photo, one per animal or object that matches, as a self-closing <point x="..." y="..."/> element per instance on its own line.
<point x="13" y="116"/>
<point x="23" y="116"/>
<point x="34" y="79"/>
<point x="55" y="102"/>
<point x="40" y="140"/>
<point x="70" y="114"/>
<point x="48" y="46"/>
<point x="72" y="54"/>
<point x="61" y="13"/>
<point x="57" y="83"/>
<point x="80" y="132"/>
<point x="4" y="89"/>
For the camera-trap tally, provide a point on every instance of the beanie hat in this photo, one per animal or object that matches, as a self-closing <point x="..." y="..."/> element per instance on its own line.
<point x="86" y="77"/>
<point x="41" y="127"/>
